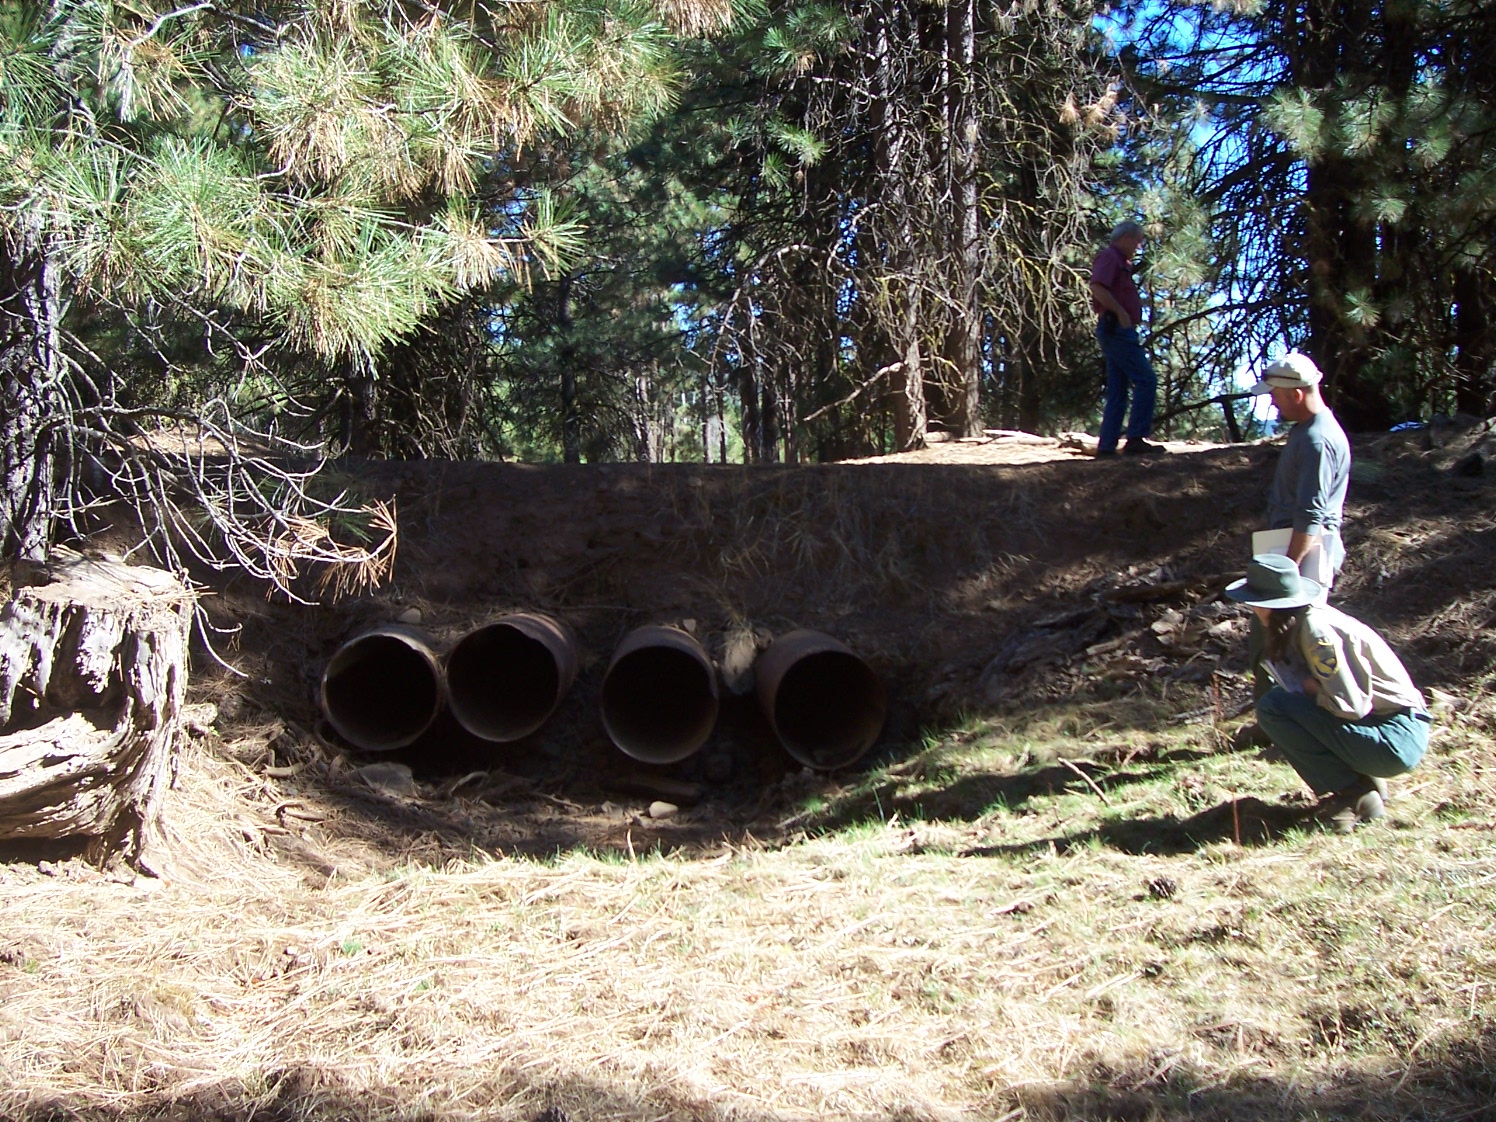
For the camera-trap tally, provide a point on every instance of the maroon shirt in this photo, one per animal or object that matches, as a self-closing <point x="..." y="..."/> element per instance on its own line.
<point x="1114" y="272"/>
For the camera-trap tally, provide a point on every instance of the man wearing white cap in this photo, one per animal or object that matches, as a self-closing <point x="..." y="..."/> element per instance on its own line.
<point x="1307" y="497"/>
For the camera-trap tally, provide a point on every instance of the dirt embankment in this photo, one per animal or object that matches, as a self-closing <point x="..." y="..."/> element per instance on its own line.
<point x="971" y="587"/>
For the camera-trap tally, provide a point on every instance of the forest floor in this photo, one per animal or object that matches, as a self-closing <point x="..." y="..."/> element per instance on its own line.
<point x="1058" y="888"/>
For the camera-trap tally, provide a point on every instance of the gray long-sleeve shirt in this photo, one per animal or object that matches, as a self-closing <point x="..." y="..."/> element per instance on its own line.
<point x="1308" y="491"/>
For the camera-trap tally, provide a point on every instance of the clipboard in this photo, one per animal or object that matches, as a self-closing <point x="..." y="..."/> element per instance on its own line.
<point x="1279" y="674"/>
<point x="1315" y="564"/>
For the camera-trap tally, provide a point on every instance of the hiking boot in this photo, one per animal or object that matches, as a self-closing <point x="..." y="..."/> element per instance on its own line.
<point x="1103" y="452"/>
<point x="1249" y="736"/>
<point x="1353" y="806"/>
<point x="1137" y="446"/>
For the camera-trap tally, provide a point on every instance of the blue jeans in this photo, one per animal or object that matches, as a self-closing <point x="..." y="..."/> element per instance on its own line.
<point x="1127" y="366"/>
<point x="1329" y="753"/>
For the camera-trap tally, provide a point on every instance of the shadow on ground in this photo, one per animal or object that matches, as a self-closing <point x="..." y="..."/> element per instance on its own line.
<point x="918" y="788"/>
<point x="527" y="799"/>
<point x="1247" y="821"/>
<point x="1454" y="1082"/>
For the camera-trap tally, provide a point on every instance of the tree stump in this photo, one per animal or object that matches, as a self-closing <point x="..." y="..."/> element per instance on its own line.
<point x="93" y="668"/>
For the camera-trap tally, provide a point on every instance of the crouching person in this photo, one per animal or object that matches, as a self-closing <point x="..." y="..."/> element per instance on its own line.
<point x="1344" y="710"/>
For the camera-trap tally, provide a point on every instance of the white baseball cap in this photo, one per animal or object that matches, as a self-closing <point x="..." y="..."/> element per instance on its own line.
<point x="1292" y="371"/>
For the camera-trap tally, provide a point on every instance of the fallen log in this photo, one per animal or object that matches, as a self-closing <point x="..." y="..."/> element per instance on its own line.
<point x="1167" y="590"/>
<point x="93" y="669"/>
<point x="1018" y="436"/>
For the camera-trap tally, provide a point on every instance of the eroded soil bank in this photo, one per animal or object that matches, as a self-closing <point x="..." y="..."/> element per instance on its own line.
<point x="971" y="587"/>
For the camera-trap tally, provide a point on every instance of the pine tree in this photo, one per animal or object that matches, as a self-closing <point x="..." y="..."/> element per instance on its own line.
<point x="1348" y="168"/>
<point x="903" y="212"/>
<point x="300" y="189"/>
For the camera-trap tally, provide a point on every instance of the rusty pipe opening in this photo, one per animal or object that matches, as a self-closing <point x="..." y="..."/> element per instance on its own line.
<point x="505" y="678"/>
<point x="659" y="701"/>
<point x="825" y="704"/>
<point x="382" y="689"/>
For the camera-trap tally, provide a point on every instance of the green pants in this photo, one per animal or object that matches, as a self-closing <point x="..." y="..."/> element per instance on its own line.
<point x="1330" y="753"/>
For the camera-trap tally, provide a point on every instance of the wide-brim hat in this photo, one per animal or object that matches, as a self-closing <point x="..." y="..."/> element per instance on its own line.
<point x="1274" y="581"/>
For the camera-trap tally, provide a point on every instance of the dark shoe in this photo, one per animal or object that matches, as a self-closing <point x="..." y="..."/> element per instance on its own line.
<point x="1140" y="447"/>
<point x="1354" y="806"/>
<point x="1100" y="452"/>
<point x="1249" y="736"/>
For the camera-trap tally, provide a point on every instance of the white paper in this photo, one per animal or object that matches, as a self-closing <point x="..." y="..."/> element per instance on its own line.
<point x="1315" y="564"/>
<point x="1283" y="674"/>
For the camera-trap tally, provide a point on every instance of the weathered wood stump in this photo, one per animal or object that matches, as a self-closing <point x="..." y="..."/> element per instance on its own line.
<point x="93" y="668"/>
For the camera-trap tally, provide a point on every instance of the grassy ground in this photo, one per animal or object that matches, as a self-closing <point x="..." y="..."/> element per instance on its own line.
<point x="1084" y="904"/>
<point x="1086" y="912"/>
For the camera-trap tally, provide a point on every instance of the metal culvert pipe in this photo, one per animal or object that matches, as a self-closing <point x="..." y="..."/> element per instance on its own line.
<point x="382" y="689"/>
<point x="659" y="699"/>
<point x="825" y="704"/>
<point x="505" y="678"/>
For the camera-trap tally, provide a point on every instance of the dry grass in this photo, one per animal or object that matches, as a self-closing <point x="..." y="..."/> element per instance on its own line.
<point x="1000" y="958"/>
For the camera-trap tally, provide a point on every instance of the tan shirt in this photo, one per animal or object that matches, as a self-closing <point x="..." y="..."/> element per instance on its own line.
<point x="1357" y="672"/>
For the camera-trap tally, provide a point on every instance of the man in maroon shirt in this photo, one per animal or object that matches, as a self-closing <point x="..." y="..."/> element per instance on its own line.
<point x="1119" y="308"/>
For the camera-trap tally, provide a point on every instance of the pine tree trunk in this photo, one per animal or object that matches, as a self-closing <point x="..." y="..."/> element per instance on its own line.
<point x="1475" y="340"/>
<point x="1341" y="247"/>
<point x="566" y="353"/>
<point x="30" y="395"/>
<point x="748" y="405"/>
<point x="768" y="422"/>
<point x="910" y="419"/>
<point x="966" y="353"/>
<point x="1031" y="383"/>
<point x="93" y="668"/>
